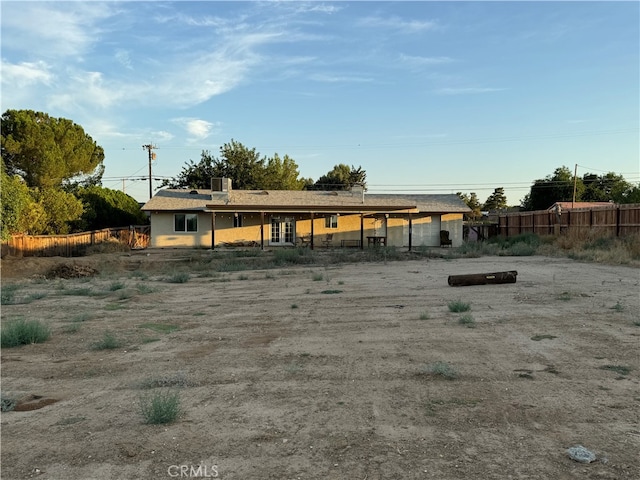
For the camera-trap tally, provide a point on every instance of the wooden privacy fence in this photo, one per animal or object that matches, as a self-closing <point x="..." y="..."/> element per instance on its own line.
<point x="136" y="236"/>
<point x="616" y="220"/>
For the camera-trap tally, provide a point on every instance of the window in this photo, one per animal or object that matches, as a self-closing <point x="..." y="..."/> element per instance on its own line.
<point x="331" y="222"/>
<point x="185" y="222"/>
<point x="237" y="220"/>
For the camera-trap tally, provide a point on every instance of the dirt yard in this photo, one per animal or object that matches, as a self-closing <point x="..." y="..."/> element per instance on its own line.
<point x="312" y="372"/>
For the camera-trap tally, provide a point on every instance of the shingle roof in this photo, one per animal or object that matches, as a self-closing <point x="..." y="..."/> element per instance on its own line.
<point x="203" y="200"/>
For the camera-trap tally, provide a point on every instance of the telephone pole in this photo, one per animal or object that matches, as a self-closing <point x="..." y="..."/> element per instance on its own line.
<point x="152" y="156"/>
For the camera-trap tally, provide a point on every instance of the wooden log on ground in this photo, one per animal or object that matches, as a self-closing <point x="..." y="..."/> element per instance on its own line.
<point x="482" y="278"/>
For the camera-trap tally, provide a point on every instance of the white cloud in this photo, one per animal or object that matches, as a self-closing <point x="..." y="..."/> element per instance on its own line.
<point x="466" y="90"/>
<point x="123" y="57"/>
<point x="26" y="73"/>
<point x="196" y="128"/>
<point x="397" y="23"/>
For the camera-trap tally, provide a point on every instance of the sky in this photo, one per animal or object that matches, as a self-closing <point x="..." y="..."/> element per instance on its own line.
<point x="427" y="97"/>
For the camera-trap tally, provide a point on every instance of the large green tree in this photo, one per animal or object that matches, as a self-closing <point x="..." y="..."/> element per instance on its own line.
<point x="604" y="188"/>
<point x="104" y="208"/>
<point x="244" y="166"/>
<point x="557" y="187"/>
<point x="45" y="151"/>
<point x="341" y="177"/>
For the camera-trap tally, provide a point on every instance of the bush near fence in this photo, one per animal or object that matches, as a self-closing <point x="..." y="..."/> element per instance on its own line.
<point x="74" y="244"/>
<point x="616" y="220"/>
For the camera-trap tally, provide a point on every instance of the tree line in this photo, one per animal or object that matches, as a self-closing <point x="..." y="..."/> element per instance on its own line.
<point x="51" y="178"/>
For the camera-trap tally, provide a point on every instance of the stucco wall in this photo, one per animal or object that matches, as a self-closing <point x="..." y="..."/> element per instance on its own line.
<point x="426" y="229"/>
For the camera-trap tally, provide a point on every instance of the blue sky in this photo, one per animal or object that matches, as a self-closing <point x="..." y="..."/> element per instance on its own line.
<point x="427" y="97"/>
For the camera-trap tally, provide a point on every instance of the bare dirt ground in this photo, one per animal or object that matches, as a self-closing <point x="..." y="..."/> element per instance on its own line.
<point x="312" y="372"/>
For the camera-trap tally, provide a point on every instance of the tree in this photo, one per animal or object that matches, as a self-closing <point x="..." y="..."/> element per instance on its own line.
<point x="16" y="203"/>
<point x="553" y="188"/>
<point x="104" y="207"/>
<point x="46" y="151"/>
<point x="342" y="177"/>
<point x="244" y="166"/>
<point x="282" y="174"/>
<point x="604" y="188"/>
<point x="496" y="201"/>
<point x="60" y="210"/>
<point x="473" y="203"/>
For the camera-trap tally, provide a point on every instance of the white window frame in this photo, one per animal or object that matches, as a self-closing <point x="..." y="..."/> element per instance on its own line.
<point x="185" y="226"/>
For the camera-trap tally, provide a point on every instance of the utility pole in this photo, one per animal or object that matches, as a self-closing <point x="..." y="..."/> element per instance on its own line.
<point x="152" y="156"/>
<point x="575" y="185"/>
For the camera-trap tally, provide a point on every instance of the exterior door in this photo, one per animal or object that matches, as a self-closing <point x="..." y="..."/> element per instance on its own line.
<point x="282" y="231"/>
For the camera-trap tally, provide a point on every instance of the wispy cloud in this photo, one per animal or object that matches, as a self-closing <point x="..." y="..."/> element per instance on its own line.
<point x="466" y="90"/>
<point x="26" y="73"/>
<point x="397" y="23"/>
<point x="418" y="61"/>
<point x="328" y="78"/>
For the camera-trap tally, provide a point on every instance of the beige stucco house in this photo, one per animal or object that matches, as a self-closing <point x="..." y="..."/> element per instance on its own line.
<point x="279" y="218"/>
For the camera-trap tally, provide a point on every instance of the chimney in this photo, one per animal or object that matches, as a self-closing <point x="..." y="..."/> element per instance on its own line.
<point x="220" y="184"/>
<point x="358" y="189"/>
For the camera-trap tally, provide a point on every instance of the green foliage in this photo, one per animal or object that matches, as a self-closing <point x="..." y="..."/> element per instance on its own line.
<point x="458" y="306"/>
<point x="108" y="342"/>
<point x="60" y="209"/>
<point x="23" y="332"/>
<point x="105" y="208"/>
<point x="16" y="205"/>
<point x="342" y="177"/>
<point x="44" y="150"/>
<point x="619" y="369"/>
<point x="179" y="277"/>
<point x="440" y="369"/>
<point x="7" y="404"/>
<point x="496" y="201"/>
<point x="468" y="321"/>
<point x="160" y="407"/>
<point x="244" y="166"/>
<point x="473" y="203"/>
<point x="557" y="187"/>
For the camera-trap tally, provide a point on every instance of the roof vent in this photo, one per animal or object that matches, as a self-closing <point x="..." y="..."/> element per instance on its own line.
<point x="193" y="192"/>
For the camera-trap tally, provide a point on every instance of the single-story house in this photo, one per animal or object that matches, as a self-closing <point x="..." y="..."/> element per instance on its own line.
<point x="222" y="216"/>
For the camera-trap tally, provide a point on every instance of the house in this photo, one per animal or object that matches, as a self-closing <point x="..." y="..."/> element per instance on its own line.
<point x="222" y="216"/>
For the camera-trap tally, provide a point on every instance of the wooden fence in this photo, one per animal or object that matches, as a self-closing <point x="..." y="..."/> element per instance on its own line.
<point x="75" y="244"/>
<point x="616" y="220"/>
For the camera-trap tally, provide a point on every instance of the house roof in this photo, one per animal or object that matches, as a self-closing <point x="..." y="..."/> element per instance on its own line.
<point x="301" y="200"/>
<point x="575" y="205"/>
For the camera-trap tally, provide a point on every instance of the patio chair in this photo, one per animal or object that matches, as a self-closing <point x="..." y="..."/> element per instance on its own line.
<point x="328" y="240"/>
<point x="445" y="241"/>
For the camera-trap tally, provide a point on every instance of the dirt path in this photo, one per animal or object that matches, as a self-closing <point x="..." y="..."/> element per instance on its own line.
<point x="324" y="372"/>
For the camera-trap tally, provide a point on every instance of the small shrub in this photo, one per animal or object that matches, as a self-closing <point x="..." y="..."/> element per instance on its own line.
<point x="618" y="307"/>
<point x="8" y="294"/>
<point x="329" y="292"/>
<point x="564" y="296"/>
<point x="243" y="277"/>
<point x="294" y="306"/>
<point x="179" y="277"/>
<point x="619" y="369"/>
<point x="23" y="332"/>
<point x="424" y="316"/>
<point x="71" y="328"/>
<point x="7" y="404"/>
<point x="144" y="289"/>
<point x="113" y="286"/>
<point x="317" y="277"/>
<point x="108" y="342"/>
<point x="458" y="306"/>
<point x="160" y="407"/>
<point x="440" y="369"/>
<point x="537" y="338"/>
<point x="468" y="321"/>
<point x="124" y="295"/>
